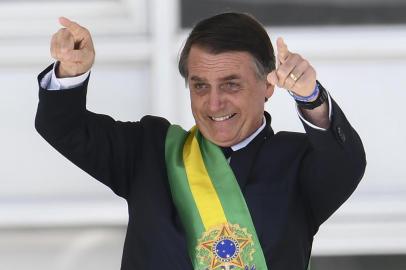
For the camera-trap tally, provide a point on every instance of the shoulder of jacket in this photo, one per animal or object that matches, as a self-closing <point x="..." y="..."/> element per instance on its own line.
<point x="155" y="125"/>
<point x="290" y="139"/>
<point x="289" y="135"/>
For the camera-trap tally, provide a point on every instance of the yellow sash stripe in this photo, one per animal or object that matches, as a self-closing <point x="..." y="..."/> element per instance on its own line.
<point x="206" y="198"/>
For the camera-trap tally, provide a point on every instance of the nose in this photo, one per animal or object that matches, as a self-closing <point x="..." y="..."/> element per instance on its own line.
<point x="216" y="100"/>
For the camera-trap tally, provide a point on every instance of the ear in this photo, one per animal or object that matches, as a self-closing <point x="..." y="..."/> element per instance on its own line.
<point x="270" y="84"/>
<point x="269" y="90"/>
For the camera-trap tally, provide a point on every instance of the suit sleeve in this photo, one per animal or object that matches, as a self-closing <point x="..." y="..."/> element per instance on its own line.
<point x="108" y="150"/>
<point x="332" y="167"/>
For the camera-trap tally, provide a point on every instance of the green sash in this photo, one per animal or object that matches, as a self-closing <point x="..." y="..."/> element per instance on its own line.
<point x="219" y="229"/>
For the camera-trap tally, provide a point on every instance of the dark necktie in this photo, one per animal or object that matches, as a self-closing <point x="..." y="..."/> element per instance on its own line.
<point x="235" y="163"/>
<point x="243" y="160"/>
<point x="227" y="151"/>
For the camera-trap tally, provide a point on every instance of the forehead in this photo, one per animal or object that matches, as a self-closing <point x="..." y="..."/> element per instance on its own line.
<point x="204" y="64"/>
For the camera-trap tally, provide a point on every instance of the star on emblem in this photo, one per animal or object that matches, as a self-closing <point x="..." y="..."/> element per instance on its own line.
<point x="225" y="249"/>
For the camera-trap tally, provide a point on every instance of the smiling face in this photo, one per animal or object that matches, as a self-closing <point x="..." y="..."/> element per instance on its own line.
<point x="227" y="95"/>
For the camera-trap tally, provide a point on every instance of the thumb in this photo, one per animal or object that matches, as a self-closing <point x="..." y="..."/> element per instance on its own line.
<point x="283" y="52"/>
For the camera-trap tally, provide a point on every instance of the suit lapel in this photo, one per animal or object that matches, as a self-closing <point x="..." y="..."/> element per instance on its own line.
<point x="242" y="161"/>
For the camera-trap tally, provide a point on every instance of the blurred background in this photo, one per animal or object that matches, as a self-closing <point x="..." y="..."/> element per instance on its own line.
<point x="54" y="216"/>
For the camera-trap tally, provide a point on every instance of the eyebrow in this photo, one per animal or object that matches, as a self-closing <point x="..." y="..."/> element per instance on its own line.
<point x="196" y="78"/>
<point x="226" y="78"/>
<point x="230" y="77"/>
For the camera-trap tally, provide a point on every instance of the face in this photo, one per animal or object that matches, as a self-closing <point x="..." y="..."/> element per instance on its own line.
<point x="227" y="95"/>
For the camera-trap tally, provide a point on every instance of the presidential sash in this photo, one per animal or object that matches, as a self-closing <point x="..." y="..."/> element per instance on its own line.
<point x="219" y="229"/>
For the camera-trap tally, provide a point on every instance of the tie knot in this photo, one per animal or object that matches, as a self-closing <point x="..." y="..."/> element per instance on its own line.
<point x="227" y="151"/>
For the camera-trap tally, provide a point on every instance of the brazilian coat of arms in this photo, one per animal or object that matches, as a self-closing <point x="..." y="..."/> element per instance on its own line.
<point x="226" y="247"/>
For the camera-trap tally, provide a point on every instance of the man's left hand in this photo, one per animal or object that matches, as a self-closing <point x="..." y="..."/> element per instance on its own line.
<point x="293" y="72"/>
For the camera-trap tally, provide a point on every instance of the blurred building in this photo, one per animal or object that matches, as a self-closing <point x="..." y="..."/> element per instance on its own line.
<point x="54" y="216"/>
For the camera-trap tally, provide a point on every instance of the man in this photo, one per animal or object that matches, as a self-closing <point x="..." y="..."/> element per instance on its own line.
<point x="191" y="205"/>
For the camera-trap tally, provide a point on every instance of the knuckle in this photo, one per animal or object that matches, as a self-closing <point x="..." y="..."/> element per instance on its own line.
<point x="305" y="62"/>
<point x="65" y="34"/>
<point x="62" y="31"/>
<point x="86" y="32"/>
<point x="281" y="73"/>
<point x="297" y="57"/>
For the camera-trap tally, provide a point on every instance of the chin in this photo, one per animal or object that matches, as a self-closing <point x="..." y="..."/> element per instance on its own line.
<point x="222" y="141"/>
<point x="220" y="138"/>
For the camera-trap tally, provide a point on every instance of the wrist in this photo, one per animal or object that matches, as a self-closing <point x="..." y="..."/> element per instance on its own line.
<point x="310" y="98"/>
<point x="321" y="97"/>
<point x="62" y="72"/>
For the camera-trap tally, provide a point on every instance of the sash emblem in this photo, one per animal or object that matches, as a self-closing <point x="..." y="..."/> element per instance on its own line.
<point x="226" y="247"/>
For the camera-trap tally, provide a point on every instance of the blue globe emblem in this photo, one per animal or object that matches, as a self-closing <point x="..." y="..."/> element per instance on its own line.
<point x="226" y="249"/>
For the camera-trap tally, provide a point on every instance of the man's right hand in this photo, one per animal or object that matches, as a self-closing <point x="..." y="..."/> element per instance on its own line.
<point x="73" y="47"/>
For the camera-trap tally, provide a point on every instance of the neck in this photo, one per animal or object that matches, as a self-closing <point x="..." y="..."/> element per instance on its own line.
<point x="247" y="140"/>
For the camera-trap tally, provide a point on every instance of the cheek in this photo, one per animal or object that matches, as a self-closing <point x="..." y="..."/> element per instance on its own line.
<point x="253" y="105"/>
<point x="192" y="101"/>
<point x="196" y="106"/>
<point x="253" y="100"/>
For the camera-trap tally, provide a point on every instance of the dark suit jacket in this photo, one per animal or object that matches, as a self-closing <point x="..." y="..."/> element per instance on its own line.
<point x="292" y="182"/>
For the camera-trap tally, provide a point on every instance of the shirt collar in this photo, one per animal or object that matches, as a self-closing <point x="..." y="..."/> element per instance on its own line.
<point x="247" y="140"/>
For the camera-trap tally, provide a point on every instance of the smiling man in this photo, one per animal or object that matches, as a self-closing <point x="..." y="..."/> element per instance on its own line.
<point x="229" y="193"/>
<point x="227" y="95"/>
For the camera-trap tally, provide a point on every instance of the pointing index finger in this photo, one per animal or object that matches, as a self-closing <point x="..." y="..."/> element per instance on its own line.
<point x="72" y="26"/>
<point x="283" y="52"/>
<point x="65" y="22"/>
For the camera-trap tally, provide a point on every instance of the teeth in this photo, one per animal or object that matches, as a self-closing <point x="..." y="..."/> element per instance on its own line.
<point x="222" y="118"/>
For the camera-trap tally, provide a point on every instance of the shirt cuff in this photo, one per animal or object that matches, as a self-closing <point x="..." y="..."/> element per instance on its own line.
<point x="51" y="82"/>
<point x="330" y="112"/>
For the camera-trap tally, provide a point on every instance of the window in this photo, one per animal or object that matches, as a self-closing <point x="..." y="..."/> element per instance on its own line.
<point x="377" y="262"/>
<point x="298" y="13"/>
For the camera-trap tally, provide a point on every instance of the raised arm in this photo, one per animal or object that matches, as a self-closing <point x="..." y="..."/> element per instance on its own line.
<point x="108" y="150"/>
<point x="335" y="161"/>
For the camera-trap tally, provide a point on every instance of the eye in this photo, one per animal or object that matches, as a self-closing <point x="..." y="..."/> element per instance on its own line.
<point x="199" y="85"/>
<point x="232" y="86"/>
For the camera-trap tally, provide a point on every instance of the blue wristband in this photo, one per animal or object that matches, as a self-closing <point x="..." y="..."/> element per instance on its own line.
<point x="307" y="98"/>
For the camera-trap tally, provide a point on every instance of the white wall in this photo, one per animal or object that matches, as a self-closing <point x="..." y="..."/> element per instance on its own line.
<point x="48" y="206"/>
